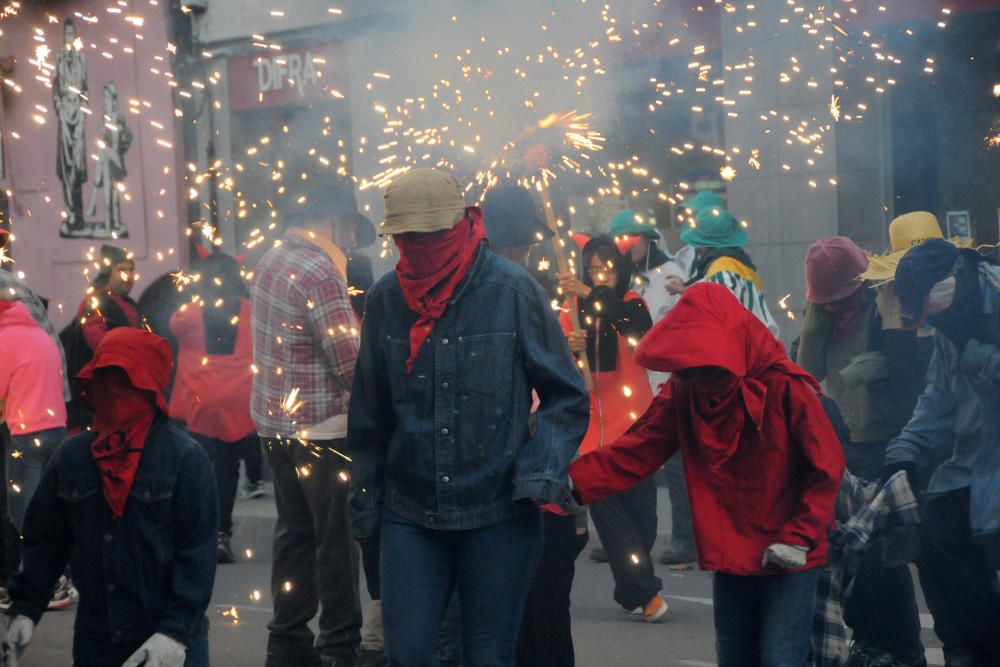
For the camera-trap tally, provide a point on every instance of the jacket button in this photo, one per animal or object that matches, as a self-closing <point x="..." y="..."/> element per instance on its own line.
<point x="111" y="588"/>
<point x="446" y="479"/>
<point x="444" y="431"/>
<point x="444" y="385"/>
<point x="145" y="495"/>
<point x="108" y="537"/>
<point x="75" y="495"/>
<point x="444" y="341"/>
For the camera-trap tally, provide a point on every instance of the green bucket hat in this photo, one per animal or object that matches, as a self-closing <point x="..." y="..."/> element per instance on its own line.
<point x="628" y="223"/>
<point x="704" y="199"/>
<point x="714" y="228"/>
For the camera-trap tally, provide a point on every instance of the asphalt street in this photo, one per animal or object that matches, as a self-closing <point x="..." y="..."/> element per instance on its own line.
<point x="603" y="633"/>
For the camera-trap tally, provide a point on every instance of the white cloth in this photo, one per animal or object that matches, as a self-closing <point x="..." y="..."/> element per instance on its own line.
<point x="653" y="289"/>
<point x="787" y="556"/>
<point x="158" y="651"/>
<point x="334" y="428"/>
<point x="19" y="634"/>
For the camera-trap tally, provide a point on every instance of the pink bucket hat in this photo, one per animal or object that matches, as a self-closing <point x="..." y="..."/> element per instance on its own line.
<point x="833" y="269"/>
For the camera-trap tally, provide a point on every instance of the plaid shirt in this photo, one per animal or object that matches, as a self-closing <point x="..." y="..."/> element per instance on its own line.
<point x="865" y="515"/>
<point x="13" y="288"/>
<point x="305" y="338"/>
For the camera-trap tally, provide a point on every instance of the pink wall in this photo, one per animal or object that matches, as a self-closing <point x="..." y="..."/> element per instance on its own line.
<point x="125" y="47"/>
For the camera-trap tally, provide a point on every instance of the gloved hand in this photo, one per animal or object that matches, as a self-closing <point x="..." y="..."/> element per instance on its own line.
<point x="158" y="651"/>
<point x="787" y="556"/>
<point x="890" y="469"/>
<point x="19" y="634"/>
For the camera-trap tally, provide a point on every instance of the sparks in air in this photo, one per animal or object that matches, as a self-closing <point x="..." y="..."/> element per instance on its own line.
<point x="835" y="107"/>
<point x="727" y="173"/>
<point x="291" y="404"/>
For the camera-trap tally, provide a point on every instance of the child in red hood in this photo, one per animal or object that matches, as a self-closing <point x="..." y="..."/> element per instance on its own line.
<point x="614" y="318"/>
<point x="762" y="462"/>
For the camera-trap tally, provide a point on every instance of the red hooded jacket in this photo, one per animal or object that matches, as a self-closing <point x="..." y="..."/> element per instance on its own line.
<point x="765" y="469"/>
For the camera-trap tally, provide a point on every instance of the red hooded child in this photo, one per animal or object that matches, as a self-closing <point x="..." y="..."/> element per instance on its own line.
<point x="762" y="462"/>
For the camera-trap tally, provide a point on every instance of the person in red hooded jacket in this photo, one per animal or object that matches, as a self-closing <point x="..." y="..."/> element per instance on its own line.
<point x="763" y="468"/>
<point x="613" y="319"/>
<point x="212" y="389"/>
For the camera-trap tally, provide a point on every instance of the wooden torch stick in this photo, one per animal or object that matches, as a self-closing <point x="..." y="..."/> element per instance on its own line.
<point x="574" y="313"/>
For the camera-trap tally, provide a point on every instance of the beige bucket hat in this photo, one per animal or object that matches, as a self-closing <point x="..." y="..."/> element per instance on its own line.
<point x="422" y="201"/>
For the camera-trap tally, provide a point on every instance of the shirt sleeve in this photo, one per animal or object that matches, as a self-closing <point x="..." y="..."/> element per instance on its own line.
<point x="333" y="325"/>
<point x="931" y="428"/>
<point x="823" y="467"/>
<point x="631" y="458"/>
<point x="370" y="423"/>
<point x="564" y="405"/>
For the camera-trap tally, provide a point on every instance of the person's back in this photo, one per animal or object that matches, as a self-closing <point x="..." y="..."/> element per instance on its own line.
<point x="31" y="373"/>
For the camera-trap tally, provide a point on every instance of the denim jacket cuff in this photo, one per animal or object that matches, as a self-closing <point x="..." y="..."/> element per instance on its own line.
<point x="544" y="488"/>
<point x="177" y="631"/>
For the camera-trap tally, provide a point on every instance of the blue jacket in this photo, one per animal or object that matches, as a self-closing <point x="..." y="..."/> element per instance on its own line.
<point x="150" y="571"/>
<point x="448" y="446"/>
<point x="957" y="419"/>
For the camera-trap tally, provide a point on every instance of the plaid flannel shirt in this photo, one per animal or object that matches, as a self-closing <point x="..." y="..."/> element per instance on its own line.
<point x="13" y="288"/>
<point x="865" y="514"/>
<point x="305" y="339"/>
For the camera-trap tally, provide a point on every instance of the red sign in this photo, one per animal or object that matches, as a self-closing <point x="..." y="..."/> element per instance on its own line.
<point x="282" y="78"/>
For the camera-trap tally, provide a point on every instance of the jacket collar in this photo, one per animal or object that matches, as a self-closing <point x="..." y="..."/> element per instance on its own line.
<point x="482" y="256"/>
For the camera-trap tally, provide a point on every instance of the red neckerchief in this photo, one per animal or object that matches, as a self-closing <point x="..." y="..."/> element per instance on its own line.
<point x="123" y="416"/>
<point x="430" y="268"/>
<point x="847" y="315"/>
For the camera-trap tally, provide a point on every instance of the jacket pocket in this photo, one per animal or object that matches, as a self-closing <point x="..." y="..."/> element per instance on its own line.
<point x="77" y="489"/>
<point x="153" y="500"/>
<point x="486" y="362"/>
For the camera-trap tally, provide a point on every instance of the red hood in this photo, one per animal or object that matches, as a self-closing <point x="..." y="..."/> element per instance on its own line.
<point x="144" y="356"/>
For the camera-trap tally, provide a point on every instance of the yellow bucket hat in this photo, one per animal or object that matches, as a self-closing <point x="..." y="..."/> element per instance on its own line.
<point x="905" y="233"/>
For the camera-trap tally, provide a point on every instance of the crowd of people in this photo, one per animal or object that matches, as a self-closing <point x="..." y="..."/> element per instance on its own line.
<point x="446" y="431"/>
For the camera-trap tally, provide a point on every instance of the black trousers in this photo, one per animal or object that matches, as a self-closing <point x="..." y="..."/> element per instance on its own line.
<point x="882" y="607"/>
<point x="626" y="524"/>
<point x="958" y="584"/>
<point x="225" y="458"/>
<point x="315" y="559"/>
<point x="546" y="638"/>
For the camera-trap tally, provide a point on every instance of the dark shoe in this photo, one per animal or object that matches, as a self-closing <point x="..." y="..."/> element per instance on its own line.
<point x="369" y="658"/>
<point x="224" y="552"/>
<point x="254" y="490"/>
<point x="598" y="555"/>
<point x="338" y="659"/>
<point x="679" y="555"/>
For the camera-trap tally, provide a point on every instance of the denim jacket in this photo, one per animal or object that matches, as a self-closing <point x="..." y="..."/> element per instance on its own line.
<point x="957" y="419"/>
<point x="150" y="571"/>
<point x="448" y="445"/>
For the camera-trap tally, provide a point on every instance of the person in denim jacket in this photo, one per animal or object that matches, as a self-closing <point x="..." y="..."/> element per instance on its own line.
<point x="131" y="506"/>
<point x="452" y="343"/>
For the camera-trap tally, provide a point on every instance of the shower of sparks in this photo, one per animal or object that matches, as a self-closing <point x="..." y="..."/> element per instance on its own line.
<point x="727" y="173"/>
<point x="835" y="107"/>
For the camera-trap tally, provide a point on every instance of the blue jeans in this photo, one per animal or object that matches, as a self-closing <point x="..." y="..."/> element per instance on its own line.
<point x="27" y="457"/>
<point x="89" y="652"/>
<point x="764" y="620"/>
<point x="492" y="568"/>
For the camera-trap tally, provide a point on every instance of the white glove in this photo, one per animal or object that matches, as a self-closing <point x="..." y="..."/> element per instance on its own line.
<point x="19" y="634"/>
<point x="158" y="651"/>
<point x="787" y="556"/>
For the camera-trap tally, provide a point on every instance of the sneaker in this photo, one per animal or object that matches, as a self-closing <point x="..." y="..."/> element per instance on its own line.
<point x="4" y="599"/>
<point x="254" y="490"/>
<point x="598" y="554"/>
<point x="679" y="555"/>
<point x="65" y="594"/>
<point x="655" y="610"/>
<point x="224" y="552"/>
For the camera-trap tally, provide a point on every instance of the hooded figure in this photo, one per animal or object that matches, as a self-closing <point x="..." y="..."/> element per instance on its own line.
<point x="133" y="487"/>
<point x="444" y="464"/>
<point x="762" y="462"/>
<point x="953" y="435"/>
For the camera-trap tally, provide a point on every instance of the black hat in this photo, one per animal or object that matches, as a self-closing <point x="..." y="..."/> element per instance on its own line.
<point x="512" y="218"/>
<point x="319" y="198"/>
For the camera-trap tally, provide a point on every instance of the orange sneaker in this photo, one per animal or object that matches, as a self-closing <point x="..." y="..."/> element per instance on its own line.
<point x="655" y="610"/>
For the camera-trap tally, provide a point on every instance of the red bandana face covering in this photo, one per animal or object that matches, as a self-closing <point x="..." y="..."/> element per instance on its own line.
<point x="123" y="416"/>
<point x="430" y="268"/>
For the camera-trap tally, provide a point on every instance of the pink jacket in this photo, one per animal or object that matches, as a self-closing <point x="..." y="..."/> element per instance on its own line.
<point x="31" y="373"/>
